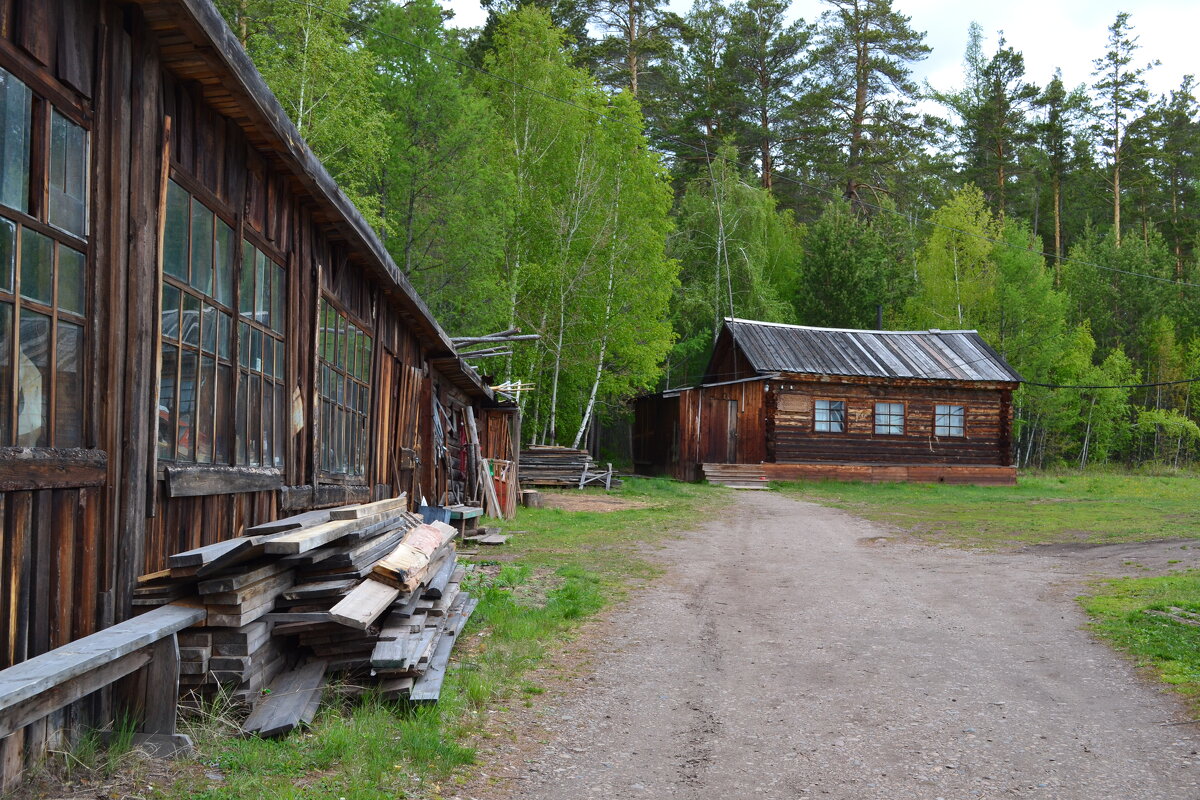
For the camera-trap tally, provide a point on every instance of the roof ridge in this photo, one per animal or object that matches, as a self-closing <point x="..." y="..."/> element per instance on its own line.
<point x="847" y="330"/>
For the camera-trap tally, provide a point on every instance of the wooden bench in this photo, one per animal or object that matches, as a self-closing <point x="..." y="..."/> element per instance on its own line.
<point x="460" y="516"/>
<point x="41" y="685"/>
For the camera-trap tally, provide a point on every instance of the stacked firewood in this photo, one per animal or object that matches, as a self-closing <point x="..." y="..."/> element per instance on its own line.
<point x="548" y="465"/>
<point x="366" y="592"/>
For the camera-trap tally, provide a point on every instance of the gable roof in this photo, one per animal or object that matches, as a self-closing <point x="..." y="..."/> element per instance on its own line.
<point x="926" y="355"/>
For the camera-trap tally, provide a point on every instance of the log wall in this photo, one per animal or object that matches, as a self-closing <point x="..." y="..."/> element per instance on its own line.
<point x="791" y="436"/>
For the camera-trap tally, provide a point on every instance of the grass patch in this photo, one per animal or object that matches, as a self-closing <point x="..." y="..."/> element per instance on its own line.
<point x="561" y="568"/>
<point x="1169" y="648"/>
<point x="1092" y="508"/>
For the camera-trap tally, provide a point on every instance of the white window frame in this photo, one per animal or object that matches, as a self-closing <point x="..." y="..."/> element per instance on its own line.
<point x="890" y="420"/>
<point x="825" y="407"/>
<point x="944" y="417"/>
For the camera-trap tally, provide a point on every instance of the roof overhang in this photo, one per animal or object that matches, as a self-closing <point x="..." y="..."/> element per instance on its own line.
<point x="197" y="46"/>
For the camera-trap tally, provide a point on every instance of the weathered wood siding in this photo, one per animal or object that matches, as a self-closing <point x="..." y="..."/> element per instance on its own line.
<point x="791" y="438"/>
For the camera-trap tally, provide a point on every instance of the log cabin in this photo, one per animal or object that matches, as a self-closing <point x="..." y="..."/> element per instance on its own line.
<point x="788" y="402"/>
<point x="198" y="331"/>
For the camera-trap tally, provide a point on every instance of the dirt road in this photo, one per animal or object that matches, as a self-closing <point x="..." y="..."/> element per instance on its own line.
<point x="798" y="655"/>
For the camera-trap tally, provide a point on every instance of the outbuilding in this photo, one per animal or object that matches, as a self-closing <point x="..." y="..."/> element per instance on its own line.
<point x="787" y="402"/>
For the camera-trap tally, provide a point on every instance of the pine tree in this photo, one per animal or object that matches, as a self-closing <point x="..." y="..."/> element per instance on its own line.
<point x="865" y="52"/>
<point x="1123" y="96"/>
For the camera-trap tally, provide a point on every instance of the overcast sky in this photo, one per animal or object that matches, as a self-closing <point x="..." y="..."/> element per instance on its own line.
<point x="1050" y="33"/>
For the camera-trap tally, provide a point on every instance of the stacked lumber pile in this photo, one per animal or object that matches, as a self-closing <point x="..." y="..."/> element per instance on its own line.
<point x="368" y="592"/>
<point x="547" y="465"/>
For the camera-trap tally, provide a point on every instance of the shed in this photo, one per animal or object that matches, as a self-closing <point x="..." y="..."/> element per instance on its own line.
<point x="786" y="402"/>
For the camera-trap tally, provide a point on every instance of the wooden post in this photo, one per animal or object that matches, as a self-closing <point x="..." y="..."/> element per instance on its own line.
<point x="162" y="687"/>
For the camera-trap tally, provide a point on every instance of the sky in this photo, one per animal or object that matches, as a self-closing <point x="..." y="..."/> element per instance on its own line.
<point x="1050" y="33"/>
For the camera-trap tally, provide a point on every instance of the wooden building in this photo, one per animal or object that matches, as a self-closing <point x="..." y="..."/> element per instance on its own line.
<point x="198" y="331"/>
<point x="784" y="402"/>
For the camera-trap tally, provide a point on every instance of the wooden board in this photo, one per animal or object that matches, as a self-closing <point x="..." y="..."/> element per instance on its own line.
<point x="364" y="604"/>
<point x="306" y="539"/>
<point x="369" y="509"/>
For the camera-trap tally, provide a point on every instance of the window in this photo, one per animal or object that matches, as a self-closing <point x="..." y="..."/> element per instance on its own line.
<point x="211" y="410"/>
<point x="43" y="271"/>
<point x="830" y="416"/>
<point x="948" y="420"/>
<point x="344" y="353"/>
<point x="196" y="377"/>
<point x="889" y="419"/>
<point x="260" y="409"/>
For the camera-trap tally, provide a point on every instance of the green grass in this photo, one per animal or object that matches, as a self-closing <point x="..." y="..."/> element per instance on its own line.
<point x="560" y="569"/>
<point x="1170" y="649"/>
<point x="1042" y="508"/>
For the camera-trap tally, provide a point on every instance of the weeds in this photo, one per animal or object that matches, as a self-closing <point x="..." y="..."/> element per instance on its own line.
<point x="563" y="568"/>
<point x="1171" y="649"/>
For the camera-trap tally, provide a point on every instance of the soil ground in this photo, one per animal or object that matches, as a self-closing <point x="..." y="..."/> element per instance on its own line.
<point x="792" y="651"/>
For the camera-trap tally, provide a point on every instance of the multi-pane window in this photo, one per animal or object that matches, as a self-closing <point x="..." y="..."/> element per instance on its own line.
<point x="889" y="419"/>
<point x="948" y="420"/>
<point x="260" y="411"/>
<point x="344" y="352"/>
<point x="830" y="416"/>
<point x="211" y="410"/>
<point x="43" y="271"/>
<point x="196" y="377"/>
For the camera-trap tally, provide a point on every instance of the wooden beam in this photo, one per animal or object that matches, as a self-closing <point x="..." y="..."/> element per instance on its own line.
<point x="195" y="480"/>
<point x="23" y="468"/>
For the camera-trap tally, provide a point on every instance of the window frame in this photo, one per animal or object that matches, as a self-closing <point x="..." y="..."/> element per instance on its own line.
<point x="221" y="212"/>
<point x="332" y="441"/>
<point x="962" y="413"/>
<point x="903" y="417"/>
<point x="845" y="421"/>
<point x="45" y="101"/>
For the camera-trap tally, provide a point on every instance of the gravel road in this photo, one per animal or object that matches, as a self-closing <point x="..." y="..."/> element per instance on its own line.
<point x="794" y="651"/>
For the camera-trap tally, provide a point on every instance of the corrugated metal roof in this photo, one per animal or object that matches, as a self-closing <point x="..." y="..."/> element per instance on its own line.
<point x="931" y="355"/>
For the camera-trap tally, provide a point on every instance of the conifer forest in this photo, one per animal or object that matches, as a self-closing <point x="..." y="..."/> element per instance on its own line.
<point x="619" y="178"/>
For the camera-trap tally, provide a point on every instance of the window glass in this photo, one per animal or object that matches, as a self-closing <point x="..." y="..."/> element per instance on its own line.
<point x="68" y="175"/>
<point x="68" y="392"/>
<point x="830" y="416"/>
<point x="8" y="254"/>
<point x="175" y="232"/>
<point x="223" y="264"/>
<point x="37" y="266"/>
<point x="168" y="377"/>
<point x="6" y="344"/>
<point x="70" y="279"/>
<point x="15" y="118"/>
<point x="344" y="357"/>
<point x="889" y="419"/>
<point x="33" y="380"/>
<point x="202" y="249"/>
<point x="948" y="420"/>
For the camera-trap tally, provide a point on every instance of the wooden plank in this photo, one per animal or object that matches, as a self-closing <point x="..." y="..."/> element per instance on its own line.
<point x="270" y="587"/>
<point x="428" y="687"/>
<point x="364" y="604"/>
<point x="441" y="576"/>
<point x="33" y="706"/>
<point x="319" y="535"/>
<point x="315" y="617"/>
<point x="396" y="504"/>
<point x="235" y="581"/>
<point x="209" y="554"/>
<point x="162" y="687"/>
<point x="287" y="701"/>
<point x="24" y="468"/>
<point x="304" y="520"/>
<point x="195" y="480"/>
<point x="319" y="589"/>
